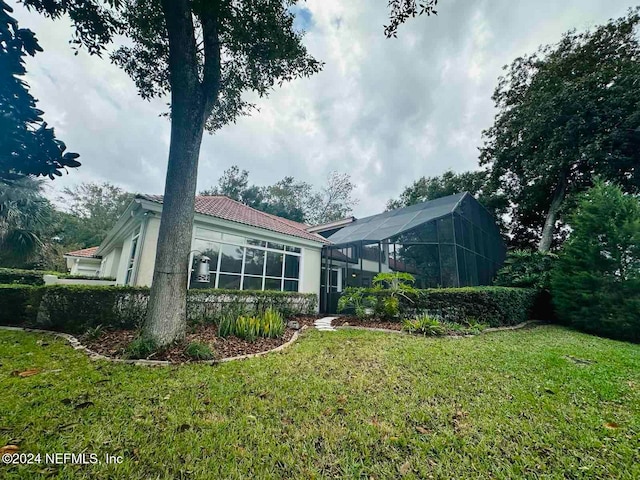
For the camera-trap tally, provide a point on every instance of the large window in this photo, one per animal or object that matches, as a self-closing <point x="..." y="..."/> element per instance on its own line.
<point x="247" y="264"/>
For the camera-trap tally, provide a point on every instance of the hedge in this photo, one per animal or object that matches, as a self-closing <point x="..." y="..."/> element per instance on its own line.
<point x="77" y="308"/>
<point x="23" y="277"/>
<point x="495" y="306"/>
<point x="19" y="304"/>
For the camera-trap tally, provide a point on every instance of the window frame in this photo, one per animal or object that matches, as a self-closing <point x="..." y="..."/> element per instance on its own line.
<point x="255" y="244"/>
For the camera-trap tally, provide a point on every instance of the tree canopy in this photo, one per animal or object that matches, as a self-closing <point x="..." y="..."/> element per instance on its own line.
<point x="25" y="221"/>
<point x="566" y="113"/>
<point x="27" y="145"/>
<point x="289" y="198"/>
<point x="92" y="211"/>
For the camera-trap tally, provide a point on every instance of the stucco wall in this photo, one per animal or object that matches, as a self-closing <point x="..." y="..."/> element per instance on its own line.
<point x="122" y="264"/>
<point x="147" y="254"/>
<point x="311" y="264"/>
<point x="117" y="263"/>
<point x="110" y="263"/>
<point x="84" y="266"/>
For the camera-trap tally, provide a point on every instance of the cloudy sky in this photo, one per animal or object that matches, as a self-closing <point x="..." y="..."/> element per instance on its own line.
<point x="385" y="111"/>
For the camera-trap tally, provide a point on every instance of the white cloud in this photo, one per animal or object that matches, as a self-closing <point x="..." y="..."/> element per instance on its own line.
<point x="387" y="111"/>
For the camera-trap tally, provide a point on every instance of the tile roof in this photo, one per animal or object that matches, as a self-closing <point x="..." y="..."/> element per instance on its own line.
<point x="85" y="253"/>
<point x="228" y="209"/>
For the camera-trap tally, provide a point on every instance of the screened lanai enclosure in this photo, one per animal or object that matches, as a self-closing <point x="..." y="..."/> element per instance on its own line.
<point x="448" y="242"/>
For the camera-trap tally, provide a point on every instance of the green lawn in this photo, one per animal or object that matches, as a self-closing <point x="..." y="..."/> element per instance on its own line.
<point x="540" y="403"/>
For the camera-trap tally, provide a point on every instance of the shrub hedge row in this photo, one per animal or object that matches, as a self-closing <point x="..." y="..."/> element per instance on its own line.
<point x="23" y="277"/>
<point x="76" y="308"/>
<point x="495" y="306"/>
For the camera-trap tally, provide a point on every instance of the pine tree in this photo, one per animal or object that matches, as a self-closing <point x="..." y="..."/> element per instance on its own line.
<point x="596" y="281"/>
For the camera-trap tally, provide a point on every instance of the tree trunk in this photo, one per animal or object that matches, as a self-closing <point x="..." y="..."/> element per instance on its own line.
<point x="166" y="317"/>
<point x="552" y="216"/>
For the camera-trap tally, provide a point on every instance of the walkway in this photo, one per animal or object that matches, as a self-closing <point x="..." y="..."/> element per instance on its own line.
<point x="324" y="324"/>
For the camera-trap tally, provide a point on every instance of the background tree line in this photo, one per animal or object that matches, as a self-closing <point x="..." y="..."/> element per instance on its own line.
<point x="291" y="199"/>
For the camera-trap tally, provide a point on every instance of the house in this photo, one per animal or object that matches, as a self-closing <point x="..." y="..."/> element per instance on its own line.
<point x="448" y="242"/>
<point x="243" y="247"/>
<point x="84" y="263"/>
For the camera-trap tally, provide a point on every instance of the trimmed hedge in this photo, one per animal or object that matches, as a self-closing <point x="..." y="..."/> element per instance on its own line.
<point x="495" y="306"/>
<point x="11" y="276"/>
<point x="205" y="305"/>
<point x="77" y="308"/>
<point x="23" y="277"/>
<point x="19" y="304"/>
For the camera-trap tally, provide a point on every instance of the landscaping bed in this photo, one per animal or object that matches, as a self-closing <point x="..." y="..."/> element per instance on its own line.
<point x="113" y="343"/>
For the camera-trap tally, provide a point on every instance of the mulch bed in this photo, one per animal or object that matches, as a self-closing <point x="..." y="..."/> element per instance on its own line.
<point x="345" y="321"/>
<point x="113" y="343"/>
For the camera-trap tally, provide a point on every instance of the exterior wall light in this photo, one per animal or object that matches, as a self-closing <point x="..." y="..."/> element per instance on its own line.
<point x="202" y="272"/>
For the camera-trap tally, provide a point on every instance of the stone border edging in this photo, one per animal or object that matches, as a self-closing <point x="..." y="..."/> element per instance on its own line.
<point x="401" y="332"/>
<point x="75" y="343"/>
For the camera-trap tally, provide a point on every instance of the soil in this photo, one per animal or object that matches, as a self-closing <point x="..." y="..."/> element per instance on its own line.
<point x="344" y="321"/>
<point x="112" y="343"/>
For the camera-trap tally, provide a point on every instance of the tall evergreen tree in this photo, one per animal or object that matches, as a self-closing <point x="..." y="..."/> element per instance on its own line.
<point x="596" y="281"/>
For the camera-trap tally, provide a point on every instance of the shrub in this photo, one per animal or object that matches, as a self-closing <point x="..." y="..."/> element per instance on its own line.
<point x="93" y="333"/>
<point x="24" y="277"/>
<point x="398" y="285"/>
<point x="77" y="308"/>
<point x="226" y="325"/>
<point x="390" y="307"/>
<point x="527" y="269"/>
<point x="246" y="327"/>
<point x="273" y="325"/>
<point x="494" y="306"/>
<point x="357" y="300"/>
<point x="140" y="348"/>
<point x="19" y="304"/>
<point x="268" y="325"/>
<point x="596" y="283"/>
<point x="210" y="306"/>
<point x="425" y="325"/>
<point x="198" y="351"/>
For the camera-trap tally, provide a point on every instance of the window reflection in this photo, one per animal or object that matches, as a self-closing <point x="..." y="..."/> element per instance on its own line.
<point x="253" y="267"/>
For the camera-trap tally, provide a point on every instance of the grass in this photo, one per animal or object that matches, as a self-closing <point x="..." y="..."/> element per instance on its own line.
<point x="541" y="403"/>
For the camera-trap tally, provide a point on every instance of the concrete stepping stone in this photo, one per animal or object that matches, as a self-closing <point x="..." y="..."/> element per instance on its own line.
<point x="324" y="324"/>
